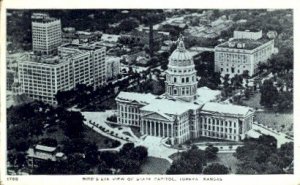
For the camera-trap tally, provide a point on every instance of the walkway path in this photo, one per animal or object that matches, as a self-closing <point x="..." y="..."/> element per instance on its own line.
<point x="280" y="137"/>
<point x="154" y="145"/>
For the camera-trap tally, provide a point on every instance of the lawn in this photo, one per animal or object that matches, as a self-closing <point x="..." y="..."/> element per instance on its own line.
<point x="58" y="134"/>
<point x="136" y="131"/>
<point x="281" y="122"/>
<point x="155" y="165"/>
<point x="254" y="101"/>
<point x="100" y="140"/>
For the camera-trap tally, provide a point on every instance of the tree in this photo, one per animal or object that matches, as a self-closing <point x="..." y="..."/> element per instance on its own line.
<point x="261" y="156"/>
<point x="269" y="94"/>
<point x="72" y="124"/>
<point x="139" y="153"/>
<point x="128" y="24"/>
<point x="211" y="152"/>
<point x="215" y="168"/>
<point x="190" y="162"/>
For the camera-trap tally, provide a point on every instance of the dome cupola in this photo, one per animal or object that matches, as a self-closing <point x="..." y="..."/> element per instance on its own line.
<point x="180" y="56"/>
<point x="181" y="82"/>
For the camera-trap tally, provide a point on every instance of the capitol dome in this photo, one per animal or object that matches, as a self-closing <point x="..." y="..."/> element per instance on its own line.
<point x="180" y="56"/>
<point x="181" y="80"/>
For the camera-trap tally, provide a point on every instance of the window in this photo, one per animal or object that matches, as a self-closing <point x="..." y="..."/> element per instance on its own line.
<point x="182" y="80"/>
<point x="175" y="91"/>
<point x="187" y="79"/>
<point x="175" y="79"/>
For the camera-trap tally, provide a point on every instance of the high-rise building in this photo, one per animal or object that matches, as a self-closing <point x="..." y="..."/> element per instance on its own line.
<point x="243" y="53"/>
<point x="46" y="34"/>
<point x="41" y="77"/>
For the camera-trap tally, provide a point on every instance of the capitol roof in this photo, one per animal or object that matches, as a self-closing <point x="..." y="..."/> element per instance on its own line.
<point x="139" y="97"/>
<point x="226" y="108"/>
<point x="167" y="106"/>
<point x="205" y="94"/>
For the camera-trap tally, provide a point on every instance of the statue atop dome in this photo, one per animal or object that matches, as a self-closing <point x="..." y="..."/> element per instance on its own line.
<point x="180" y="42"/>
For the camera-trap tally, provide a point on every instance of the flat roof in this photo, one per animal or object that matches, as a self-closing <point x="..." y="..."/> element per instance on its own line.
<point x="205" y="94"/>
<point x="249" y="43"/>
<point x="167" y="106"/>
<point x="45" y="148"/>
<point x="139" y="97"/>
<point x="226" y="108"/>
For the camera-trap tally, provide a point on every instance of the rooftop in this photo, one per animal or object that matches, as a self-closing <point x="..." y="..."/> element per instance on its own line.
<point x="247" y="44"/>
<point x="139" y="97"/>
<point x="206" y="95"/>
<point x="167" y="106"/>
<point x="226" y="108"/>
<point x="45" y="148"/>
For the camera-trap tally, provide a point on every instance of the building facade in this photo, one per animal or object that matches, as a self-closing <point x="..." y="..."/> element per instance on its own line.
<point x="112" y="67"/>
<point x="183" y="112"/>
<point x="46" y="34"/>
<point x="243" y="53"/>
<point x="41" y="77"/>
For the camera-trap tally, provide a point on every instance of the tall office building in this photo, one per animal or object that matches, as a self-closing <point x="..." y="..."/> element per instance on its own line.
<point x="41" y="77"/>
<point x="46" y="33"/>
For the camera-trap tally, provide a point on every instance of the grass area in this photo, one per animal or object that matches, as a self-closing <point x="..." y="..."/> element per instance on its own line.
<point x="58" y="134"/>
<point x="155" y="165"/>
<point x="100" y="140"/>
<point x="253" y="101"/>
<point x="228" y="160"/>
<point x="136" y="131"/>
<point x="281" y="122"/>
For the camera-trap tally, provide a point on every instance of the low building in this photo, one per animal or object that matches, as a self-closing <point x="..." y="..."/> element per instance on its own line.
<point x="41" y="153"/>
<point x="243" y="53"/>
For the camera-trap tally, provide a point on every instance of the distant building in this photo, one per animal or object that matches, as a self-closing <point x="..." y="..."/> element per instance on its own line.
<point x="46" y="34"/>
<point x="41" y="77"/>
<point x="183" y="112"/>
<point x="41" y="153"/>
<point x="142" y="37"/>
<point x="243" y="53"/>
<point x="112" y="67"/>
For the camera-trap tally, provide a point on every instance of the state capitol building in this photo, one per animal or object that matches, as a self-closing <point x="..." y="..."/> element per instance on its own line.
<point x="183" y="112"/>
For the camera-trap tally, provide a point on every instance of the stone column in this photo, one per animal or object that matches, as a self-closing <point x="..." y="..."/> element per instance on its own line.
<point x="159" y="125"/>
<point x="167" y="130"/>
<point x="163" y="130"/>
<point x="142" y="127"/>
<point x="150" y="133"/>
<point x="154" y="128"/>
